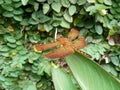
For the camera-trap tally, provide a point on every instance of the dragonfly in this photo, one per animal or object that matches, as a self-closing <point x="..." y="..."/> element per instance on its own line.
<point x="67" y="45"/>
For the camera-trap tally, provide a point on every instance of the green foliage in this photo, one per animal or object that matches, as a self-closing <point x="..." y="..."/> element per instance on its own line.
<point x="24" y="23"/>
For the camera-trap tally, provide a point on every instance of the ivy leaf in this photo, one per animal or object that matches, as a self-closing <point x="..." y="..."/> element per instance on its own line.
<point x="98" y="29"/>
<point x="46" y="8"/>
<point x="72" y="10"/>
<point x="24" y="2"/>
<point x="56" y="6"/>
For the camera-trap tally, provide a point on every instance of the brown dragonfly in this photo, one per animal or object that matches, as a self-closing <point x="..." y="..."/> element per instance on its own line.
<point x="67" y="45"/>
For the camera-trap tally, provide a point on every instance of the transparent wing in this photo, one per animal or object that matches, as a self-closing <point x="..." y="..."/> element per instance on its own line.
<point x="42" y="47"/>
<point x="60" y="52"/>
<point x="73" y="34"/>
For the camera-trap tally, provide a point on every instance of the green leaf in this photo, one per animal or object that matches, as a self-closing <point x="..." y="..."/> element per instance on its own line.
<point x="61" y="80"/>
<point x="91" y="1"/>
<point x="65" y="24"/>
<point x="46" y="8"/>
<point x="56" y="6"/>
<point x="115" y="60"/>
<point x="4" y="48"/>
<point x="24" y="2"/>
<point x="108" y="2"/>
<point x="99" y="29"/>
<point x="100" y="1"/>
<point x="90" y="75"/>
<point x="7" y="7"/>
<point x="8" y="14"/>
<point x="10" y="39"/>
<point x="18" y="18"/>
<point x="36" y="6"/>
<point x="65" y="3"/>
<point x="48" y="27"/>
<point x="73" y="1"/>
<point x="81" y="2"/>
<point x="28" y="85"/>
<point x="67" y="17"/>
<point x="72" y="10"/>
<point x="18" y="11"/>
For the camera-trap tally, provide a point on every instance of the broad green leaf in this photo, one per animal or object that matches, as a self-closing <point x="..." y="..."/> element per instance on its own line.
<point x="73" y="1"/>
<point x="90" y="75"/>
<point x="67" y="17"/>
<point x="99" y="29"/>
<point x="72" y="10"/>
<point x="24" y="2"/>
<point x="56" y="6"/>
<point x="65" y="3"/>
<point x="65" y="24"/>
<point x="81" y="2"/>
<point x="61" y="80"/>
<point x="108" y="2"/>
<point x="46" y="8"/>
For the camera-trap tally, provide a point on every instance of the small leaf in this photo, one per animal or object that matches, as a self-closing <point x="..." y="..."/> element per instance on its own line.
<point x="36" y="6"/>
<point x="56" y="6"/>
<point x="8" y="14"/>
<point x="29" y="85"/>
<point x="91" y="1"/>
<point x="100" y="1"/>
<point x="48" y="27"/>
<point x="72" y="10"/>
<point x="46" y="8"/>
<point x="24" y="2"/>
<point x="68" y="17"/>
<point x="65" y="24"/>
<point x="65" y="3"/>
<point x="99" y="29"/>
<point x="10" y="39"/>
<point x="73" y="1"/>
<point x="81" y="2"/>
<point x="108" y="2"/>
<point x="18" y="18"/>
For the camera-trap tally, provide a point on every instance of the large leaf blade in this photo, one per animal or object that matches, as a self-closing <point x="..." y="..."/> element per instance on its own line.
<point x="61" y="80"/>
<point x="90" y="75"/>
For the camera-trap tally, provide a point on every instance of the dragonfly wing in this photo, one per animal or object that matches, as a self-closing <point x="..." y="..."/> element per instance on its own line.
<point x="42" y="47"/>
<point x="60" y="52"/>
<point x="73" y="34"/>
<point x="79" y="43"/>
